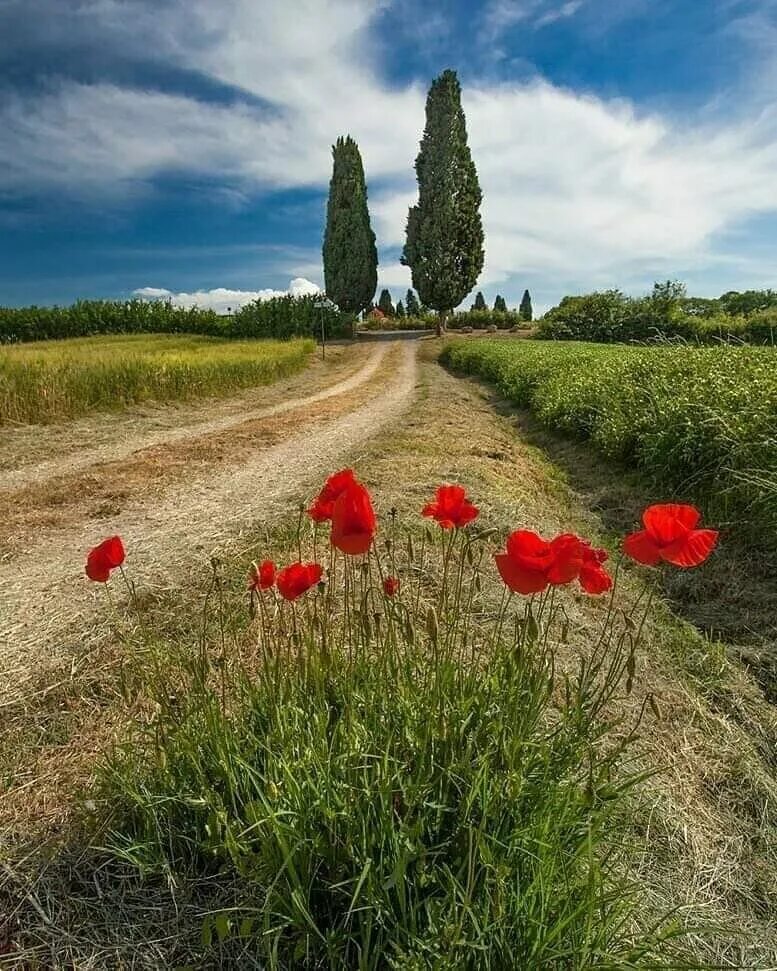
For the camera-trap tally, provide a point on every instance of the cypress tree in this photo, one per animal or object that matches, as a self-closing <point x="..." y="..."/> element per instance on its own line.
<point x="444" y="245"/>
<point x="412" y="305"/>
<point x="350" y="254"/>
<point x="499" y="304"/>
<point x="385" y="304"/>
<point x="400" y="309"/>
<point x="525" y="309"/>
<point x="480" y="301"/>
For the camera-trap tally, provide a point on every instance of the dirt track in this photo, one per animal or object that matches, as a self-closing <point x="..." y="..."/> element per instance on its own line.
<point x="45" y="600"/>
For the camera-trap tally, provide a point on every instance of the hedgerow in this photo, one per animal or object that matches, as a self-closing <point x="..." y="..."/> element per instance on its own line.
<point x="700" y="420"/>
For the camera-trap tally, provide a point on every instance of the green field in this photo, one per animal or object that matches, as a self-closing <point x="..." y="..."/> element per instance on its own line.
<point x="54" y="381"/>
<point x="701" y="421"/>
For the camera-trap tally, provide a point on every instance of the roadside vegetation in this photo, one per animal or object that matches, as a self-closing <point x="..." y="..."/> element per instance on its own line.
<point x="55" y="381"/>
<point x="699" y="421"/>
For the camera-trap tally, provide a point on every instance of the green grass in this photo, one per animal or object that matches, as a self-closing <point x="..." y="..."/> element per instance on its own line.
<point x="377" y="783"/>
<point x="47" y="382"/>
<point x="702" y="422"/>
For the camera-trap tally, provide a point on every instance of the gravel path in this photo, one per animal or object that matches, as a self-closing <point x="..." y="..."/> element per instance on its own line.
<point x="44" y="599"/>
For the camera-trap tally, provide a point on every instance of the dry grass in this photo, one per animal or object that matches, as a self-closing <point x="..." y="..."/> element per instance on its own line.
<point x="705" y="825"/>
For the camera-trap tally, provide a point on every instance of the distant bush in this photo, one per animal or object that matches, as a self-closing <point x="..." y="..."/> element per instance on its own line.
<point x="483" y="319"/>
<point x="610" y="316"/>
<point x="87" y="318"/>
<point x="285" y="317"/>
<point x="281" y="317"/>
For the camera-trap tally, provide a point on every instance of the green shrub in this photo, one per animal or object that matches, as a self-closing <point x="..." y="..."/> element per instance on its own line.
<point x="700" y="420"/>
<point x="285" y="317"/>
<point x="481" y="319"/>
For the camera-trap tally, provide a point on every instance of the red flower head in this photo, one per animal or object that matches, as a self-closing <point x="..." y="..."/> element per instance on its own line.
<point x="670" y="534"/>
<point x="451" y="507"/>
<point x="530" y="564"/>
<point x="261" y="577"/>
<point x="294" y="580"/>
<point x="593" y="577"/>
<point x="323" y="504"/>
<point x="353" y="520"/>
<point x="391" y="586"/>
<point x="103" y="558"/>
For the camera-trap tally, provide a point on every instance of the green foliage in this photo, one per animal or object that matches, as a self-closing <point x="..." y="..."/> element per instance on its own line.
<point x="395" y="783"/>
<point x="481" y="319"/>
<point x="384" y="303"/>
<point x="525" y="309"/>
<point x="285" y="317"/>
<point x="53" y="381"/>
<point x="444" y="245"/>
<point x="400" y="310"/>
<point x="350" y="254"/>
<point x="89" y="317"/>
<point x="480" y="301"/>
<point x="412" y="306"/>
<point x="667" y="313"/>
<point x="499" y="304"/>
<point x="700" y="421"/>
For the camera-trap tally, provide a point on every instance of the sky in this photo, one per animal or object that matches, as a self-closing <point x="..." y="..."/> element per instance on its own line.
<point x="184" y="146"/>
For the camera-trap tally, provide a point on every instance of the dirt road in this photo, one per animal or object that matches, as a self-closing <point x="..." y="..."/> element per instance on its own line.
<point x="45" y="600"/>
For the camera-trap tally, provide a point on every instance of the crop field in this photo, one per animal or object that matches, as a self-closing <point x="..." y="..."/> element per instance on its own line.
<point x="53" y="381"/>
<point x="701" y="422"/>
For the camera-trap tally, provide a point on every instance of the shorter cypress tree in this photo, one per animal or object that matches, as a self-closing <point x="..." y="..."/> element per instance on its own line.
<point x="499" y="304"/>
<point x="385" y="303"/>
<point x="400" y="309"/>
<point x="480" y="302"/>
<point x="412" y="305"/>
<point x="525" y="309"/>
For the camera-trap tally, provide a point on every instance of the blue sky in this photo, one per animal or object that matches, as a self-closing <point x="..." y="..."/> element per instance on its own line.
<point x="184" y="145"/>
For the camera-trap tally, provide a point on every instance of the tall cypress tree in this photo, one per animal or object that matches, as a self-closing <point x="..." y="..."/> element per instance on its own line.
<point x="400" y="311"/>
<point x="412" y="305"/>
<point x="499" y="304"/>
<point x="350" y="254"/>
<point x="525" y="309"/>
<point x="444" y="245"/>
<point x="385" y="304"/>
<point x="480" y="301"/>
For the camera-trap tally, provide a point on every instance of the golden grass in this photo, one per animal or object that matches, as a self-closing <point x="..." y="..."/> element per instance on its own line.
<point x="58" y="380"/>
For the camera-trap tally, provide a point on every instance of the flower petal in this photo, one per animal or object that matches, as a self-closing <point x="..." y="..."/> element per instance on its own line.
<point x="518" y="578"/>
<point x="669" y="521"/>
<point x="640" y="546"/>
<point x="691" y="550"/>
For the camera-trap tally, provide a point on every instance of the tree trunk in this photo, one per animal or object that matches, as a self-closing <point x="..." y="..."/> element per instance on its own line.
<point x="442" y="316"/>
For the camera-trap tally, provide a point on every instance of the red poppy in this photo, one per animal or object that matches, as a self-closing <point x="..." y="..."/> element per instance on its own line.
<point x="451" y="507"/>
<point x="670" y="534"/>
<point x="323" y="504"/>
<point x="294" y="580"/>
<point x="103" y="558"/>
<point x="530" y="563"/>
<point x="593" y="577"/>
<point x="261" y="577"/>
<point x="391" y="586"/>
<point x="353" y="520"/>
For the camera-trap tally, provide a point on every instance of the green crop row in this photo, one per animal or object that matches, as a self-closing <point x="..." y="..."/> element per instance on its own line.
<point x="701" y="421"/>
<point x="45" y="382"/>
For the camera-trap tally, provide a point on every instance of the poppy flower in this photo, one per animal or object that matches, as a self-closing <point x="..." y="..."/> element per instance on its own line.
<point x="353" y="520"/>
<point x="530" y="563"/>
<point x="103" y="558"/>
<point x="323" y="504"/>
<point x="294" y="580"/>
<point x="261" y="577"/>
<point x="593" y="577"/>
<point x="451" y="507"/>
<point x="670" y="534"/>
<point x="391" y="586"/>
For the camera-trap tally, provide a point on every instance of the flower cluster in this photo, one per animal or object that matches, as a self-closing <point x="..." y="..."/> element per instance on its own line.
<point x="528" y="565"/>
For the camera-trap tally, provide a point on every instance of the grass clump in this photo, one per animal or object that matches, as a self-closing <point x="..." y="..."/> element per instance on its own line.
<point x="700" y="421"/>
<point x="48" y="382"/>
<point x="401" y="779"/>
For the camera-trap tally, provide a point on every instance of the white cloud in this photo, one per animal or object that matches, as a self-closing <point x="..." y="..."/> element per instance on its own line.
<point x="222" y="300"/>
<point x="578" y="190"/>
